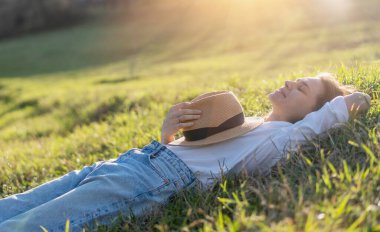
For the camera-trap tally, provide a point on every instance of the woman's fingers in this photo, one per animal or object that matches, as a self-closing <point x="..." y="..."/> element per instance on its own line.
<point x="181" y="109"/>
<point x="189" y="111"/>
<point x="178" y="117"/>
<point x="184" y="118"/>
<point x="184" y="124"/>
<point x="181" y="112"/>
<point x="181" y="116"/>
<point x="181" y="105"/>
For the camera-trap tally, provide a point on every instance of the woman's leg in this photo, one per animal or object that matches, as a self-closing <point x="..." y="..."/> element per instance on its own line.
<point x="19" y="203"/>
<point x="129" y="183"/>
<point x="134" y="183"/>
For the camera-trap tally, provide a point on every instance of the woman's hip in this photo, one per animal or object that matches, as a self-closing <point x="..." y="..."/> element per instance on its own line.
<point x="139" y="171"/>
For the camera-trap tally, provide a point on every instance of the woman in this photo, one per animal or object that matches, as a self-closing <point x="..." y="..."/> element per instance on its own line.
<point x="217" y="139"/>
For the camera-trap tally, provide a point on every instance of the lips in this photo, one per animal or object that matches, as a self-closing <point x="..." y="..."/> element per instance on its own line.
<point x="282" y="92"/>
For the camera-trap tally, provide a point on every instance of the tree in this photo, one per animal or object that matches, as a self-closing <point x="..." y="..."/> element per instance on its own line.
<point x="20" y="16"/>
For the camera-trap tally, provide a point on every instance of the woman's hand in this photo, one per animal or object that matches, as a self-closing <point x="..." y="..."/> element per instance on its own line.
<point x="178" y="118"/>
<point x="357" y="103"/>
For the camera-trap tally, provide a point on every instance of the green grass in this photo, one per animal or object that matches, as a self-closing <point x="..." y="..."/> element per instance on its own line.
<point x="74" y="96"/>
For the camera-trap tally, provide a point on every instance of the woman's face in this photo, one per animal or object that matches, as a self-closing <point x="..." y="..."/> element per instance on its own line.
<point x="296" y="99"/>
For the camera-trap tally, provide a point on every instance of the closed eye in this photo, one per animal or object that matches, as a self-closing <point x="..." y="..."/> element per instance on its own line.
<point x="302" y="88"/>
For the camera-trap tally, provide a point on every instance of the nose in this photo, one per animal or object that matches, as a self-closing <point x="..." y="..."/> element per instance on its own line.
<point x="290" y="84"/>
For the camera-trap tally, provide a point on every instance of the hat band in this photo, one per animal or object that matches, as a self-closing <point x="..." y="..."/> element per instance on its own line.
<point x="202" y="133"/>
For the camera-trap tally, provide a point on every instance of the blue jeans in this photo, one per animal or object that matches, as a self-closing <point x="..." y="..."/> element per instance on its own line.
<point x="135" y="183"/>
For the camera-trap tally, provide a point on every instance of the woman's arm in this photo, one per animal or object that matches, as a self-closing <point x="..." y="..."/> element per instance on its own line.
<point x="178" y="118"/>
<point x="338" y="110"/>
<point x="289" y="136"/>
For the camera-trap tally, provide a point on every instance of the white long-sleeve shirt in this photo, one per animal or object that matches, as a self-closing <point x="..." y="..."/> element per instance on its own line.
<point x="260" y="149"/>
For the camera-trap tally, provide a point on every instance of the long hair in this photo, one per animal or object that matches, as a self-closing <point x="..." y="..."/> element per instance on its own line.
<point x="331" y="89"/>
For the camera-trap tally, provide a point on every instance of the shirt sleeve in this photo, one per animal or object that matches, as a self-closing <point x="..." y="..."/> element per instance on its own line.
<point x="332" y="114"/>
<point x="287" y="138"/>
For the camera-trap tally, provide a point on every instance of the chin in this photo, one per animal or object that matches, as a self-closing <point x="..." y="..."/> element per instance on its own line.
<point x="271" y="96"/>
<point x="274" y="98"/>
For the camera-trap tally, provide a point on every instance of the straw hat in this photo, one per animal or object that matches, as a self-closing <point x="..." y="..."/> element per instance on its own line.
<point x="222" y="118"/>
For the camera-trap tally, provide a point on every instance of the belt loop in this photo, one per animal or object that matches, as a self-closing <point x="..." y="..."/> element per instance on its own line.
<point x="154" y="155"/>
<point x="156" y="152"/>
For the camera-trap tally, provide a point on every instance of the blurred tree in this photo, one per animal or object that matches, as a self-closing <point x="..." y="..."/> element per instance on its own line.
<point x="20" y="16"/>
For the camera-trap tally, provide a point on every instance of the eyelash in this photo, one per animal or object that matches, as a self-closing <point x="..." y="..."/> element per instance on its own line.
<point x="300" y="88"/>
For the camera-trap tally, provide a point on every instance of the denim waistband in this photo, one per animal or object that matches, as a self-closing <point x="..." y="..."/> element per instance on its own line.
<point x="169" y="161"/>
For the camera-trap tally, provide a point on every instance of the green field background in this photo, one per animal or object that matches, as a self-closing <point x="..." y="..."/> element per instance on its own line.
<point x="70" y="97"/>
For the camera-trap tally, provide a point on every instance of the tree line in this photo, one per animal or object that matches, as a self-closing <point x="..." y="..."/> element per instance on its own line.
<point x="23" y="16"/>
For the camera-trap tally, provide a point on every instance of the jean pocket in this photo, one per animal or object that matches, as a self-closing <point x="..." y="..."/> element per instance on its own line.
<point x="145" y="158"/>
<point x="157" y="169"/>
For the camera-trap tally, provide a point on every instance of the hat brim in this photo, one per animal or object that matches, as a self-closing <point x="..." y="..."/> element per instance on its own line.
<point x="249" y="124"/>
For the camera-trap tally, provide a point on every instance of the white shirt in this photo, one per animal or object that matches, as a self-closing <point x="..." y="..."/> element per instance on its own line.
<point x="260" y="149"/>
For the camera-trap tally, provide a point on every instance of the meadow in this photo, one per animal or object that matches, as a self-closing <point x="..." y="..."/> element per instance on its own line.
<point x="73" y="96"/>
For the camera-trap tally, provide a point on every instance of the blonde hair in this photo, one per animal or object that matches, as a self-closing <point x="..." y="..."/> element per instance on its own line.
<point x="332" y="88"/>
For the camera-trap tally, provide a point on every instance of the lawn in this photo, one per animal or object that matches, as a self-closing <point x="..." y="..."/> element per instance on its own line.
<point x="73" y="96"/>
